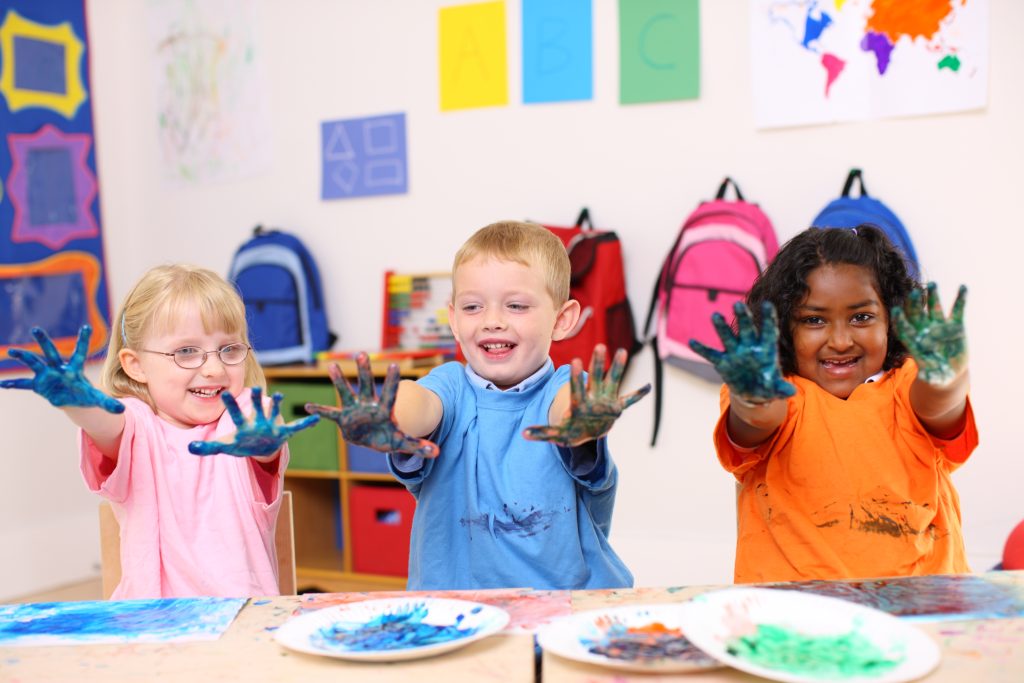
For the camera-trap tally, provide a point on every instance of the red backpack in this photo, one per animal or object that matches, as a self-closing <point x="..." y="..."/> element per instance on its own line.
<point x="720" y="250"/>
<point x="598" y="282"/>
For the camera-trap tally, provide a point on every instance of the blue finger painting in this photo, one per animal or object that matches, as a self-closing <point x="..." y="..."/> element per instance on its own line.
<point x="117" y="621"/>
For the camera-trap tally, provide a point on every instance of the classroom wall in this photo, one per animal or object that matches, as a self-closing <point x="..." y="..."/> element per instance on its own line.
<point x="954" y="180"/>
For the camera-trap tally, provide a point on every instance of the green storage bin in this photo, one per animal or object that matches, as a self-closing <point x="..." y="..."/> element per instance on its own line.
<point x="315" y="448"/>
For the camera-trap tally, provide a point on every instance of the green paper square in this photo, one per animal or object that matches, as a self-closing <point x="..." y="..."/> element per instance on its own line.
<point x="659" y="50"/>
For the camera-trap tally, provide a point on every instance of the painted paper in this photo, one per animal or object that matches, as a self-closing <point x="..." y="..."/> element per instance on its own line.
<point x="823" y="61"/>
<point x="529" y="609"/>
<point x="117" y="621"/>
<point x="211" y="113"/>
<point x="473" y="57"/>
<point x="926" y="598"/>
<point x="52" y="273"/>
<point x="558" y="59"/>
<point x="659" y="50"/>
<point x="364" y="157"/>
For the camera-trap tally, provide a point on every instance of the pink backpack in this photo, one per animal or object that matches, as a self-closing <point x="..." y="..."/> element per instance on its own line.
<point x="720" y="250"/>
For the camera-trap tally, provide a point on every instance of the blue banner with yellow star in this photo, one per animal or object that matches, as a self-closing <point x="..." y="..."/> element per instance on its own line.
<point x="51" y="250"/>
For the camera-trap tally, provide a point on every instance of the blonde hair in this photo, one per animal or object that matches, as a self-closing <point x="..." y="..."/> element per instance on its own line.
<point x="156" y="304"/>
<point x="526" y="243"/>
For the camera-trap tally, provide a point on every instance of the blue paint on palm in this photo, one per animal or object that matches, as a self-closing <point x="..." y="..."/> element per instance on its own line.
<point x="365" y="419"/>
<point x="62" y="384"/>
<point x="260" y="437"/>
<point x="749" y="361"/>
<point x="399" y="630"/>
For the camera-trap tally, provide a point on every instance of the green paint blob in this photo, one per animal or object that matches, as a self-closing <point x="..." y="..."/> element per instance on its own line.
<point x="841" y="656"/>
<point x="951" y="62"/>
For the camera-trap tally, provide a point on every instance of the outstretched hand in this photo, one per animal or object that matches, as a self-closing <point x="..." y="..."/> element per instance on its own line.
<point x="594" y="403"/>
<point x="366" y="420"/>
<point x="938" y="344"/>
<point x="62" y="384"/>
<point x="749" y="363"/>
<point x="260" y="437"/>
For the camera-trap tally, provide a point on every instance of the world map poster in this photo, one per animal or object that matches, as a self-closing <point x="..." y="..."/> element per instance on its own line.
<point x="826" y="61"/>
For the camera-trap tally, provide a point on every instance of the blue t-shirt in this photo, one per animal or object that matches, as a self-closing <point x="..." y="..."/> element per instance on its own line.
<point x="495" y="510"/>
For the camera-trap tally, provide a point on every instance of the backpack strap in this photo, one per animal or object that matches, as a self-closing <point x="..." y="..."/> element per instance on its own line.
<point x="855" y="174"/>
<point x="725" y="186"/>
<point x="584" y="217"/>
<point x="652" y="336"/>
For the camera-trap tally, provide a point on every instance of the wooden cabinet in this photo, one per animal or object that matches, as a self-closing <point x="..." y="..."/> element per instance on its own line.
<point x="322" y="478"/>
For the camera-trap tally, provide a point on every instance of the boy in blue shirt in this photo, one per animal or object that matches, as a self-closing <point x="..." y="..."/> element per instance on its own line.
<point x="519" y="487"/>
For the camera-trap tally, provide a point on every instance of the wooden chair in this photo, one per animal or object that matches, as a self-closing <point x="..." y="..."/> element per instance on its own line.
<point x="284" y="542"/>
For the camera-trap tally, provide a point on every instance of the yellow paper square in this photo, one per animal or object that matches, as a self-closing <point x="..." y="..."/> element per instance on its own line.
<point x="473" y="56"/>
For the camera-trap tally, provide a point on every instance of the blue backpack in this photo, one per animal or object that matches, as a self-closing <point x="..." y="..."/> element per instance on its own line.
<point x="284" y="300"/>
<point x="849" y="212"/>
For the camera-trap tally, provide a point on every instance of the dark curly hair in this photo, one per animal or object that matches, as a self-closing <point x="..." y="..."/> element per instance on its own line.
<point x="784" y="281"/>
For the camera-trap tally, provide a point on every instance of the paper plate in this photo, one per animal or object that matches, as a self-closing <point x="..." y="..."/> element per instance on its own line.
<point x="799" y="637"/>
<point x="632" y="638"/>
<point x="391" y="630"/>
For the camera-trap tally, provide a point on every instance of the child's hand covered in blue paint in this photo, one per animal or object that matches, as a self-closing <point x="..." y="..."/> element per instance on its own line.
<point x="749" y="363"/>
<point x="594" y="402"/>
<point x="938" y="344"/>
<point x="260" y="437"/>
<point x="60" y="383"/>
<point x="366" y="420"/>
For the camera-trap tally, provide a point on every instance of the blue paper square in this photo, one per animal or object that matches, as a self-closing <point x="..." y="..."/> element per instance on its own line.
<point x="51" y="187"/>
<point x="363" y="157"/>
<point x="557" y="50"/>
<point x="39" y="65"/>
<point x="57" y="303"/>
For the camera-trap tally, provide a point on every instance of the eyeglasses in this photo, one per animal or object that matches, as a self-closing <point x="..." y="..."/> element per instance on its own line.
<point x="190" y="357"/>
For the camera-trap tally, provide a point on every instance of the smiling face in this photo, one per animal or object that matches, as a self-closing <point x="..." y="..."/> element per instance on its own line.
<point x="840" y="330"/>
<point x="504" y="318"/>
<point x="185" y="398"/>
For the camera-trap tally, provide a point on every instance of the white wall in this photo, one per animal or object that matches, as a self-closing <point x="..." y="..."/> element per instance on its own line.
<point x="953" y="179"/>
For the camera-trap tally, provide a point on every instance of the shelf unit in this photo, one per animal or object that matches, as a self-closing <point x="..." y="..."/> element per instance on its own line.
<point x="322" y="497"/>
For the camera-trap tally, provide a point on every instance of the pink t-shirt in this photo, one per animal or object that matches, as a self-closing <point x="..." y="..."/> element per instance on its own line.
<point x="190" y="525"/>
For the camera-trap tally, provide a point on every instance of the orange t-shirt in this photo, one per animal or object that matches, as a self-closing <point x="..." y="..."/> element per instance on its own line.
<point x="848" y="489"/>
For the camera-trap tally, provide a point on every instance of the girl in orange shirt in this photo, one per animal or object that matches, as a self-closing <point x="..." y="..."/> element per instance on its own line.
<point x="843" y="423"/>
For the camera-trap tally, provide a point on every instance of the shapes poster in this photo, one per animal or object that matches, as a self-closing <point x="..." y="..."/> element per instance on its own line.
<point x="52" y="273"/>
<point x="364" y="157"/>
<point x="823" y="61"/>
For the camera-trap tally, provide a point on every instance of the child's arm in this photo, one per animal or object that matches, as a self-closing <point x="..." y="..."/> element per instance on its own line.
<point x="749" y="366"/>
<point x="260" y="439"/>
<point x="65" y="386"/>
<point x="939" y="346"/>
<point x="391" y="424"/>
<point x="579" y="413"/>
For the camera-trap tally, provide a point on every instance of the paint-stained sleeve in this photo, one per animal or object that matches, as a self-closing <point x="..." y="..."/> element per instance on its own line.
<point x="588" y="463"/>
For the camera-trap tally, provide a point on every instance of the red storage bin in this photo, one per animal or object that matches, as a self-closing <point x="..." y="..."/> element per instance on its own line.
<point x="381" y="522"/>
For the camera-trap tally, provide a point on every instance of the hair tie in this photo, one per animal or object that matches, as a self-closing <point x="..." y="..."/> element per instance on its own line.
<point x="124" y="337"/>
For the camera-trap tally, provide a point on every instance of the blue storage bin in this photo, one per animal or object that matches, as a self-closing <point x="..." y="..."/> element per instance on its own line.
<point x="363" y="459"/>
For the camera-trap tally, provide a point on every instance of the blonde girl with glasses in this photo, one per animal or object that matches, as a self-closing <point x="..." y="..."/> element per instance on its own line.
<point x="195" y="484"/>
